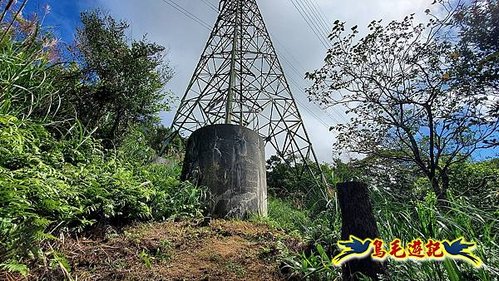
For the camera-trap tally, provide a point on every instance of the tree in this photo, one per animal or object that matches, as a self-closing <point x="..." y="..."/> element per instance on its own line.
<point x="122" y="84"/>
<point x="399" y="179"/>
<point x="297" y="182"/>
<point x="401" y="86"/>
<point x="478" y="182"/>
<point x="478" y="28"/>
<point x="284" y="181"/>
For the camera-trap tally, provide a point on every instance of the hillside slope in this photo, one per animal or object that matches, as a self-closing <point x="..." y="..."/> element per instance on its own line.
<point x="205" y="250"/>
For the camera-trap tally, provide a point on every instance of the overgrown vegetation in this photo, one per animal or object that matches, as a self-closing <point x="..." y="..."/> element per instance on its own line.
<point x="78" y="141"/>
<point x="50" y="186"/>
<point x="58" y="178"/>
<point x="413" y="88"/>
<point x="406" y="213"/>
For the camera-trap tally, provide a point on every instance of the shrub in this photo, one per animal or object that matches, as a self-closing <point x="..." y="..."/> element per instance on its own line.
<point x="50" y="186"/>
<point x="282" y="215"/>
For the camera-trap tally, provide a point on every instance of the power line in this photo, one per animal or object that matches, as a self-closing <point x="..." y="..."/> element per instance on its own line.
<point x="312" y="112"/>
<point x="300" y="88"/>
<point x="290" y="64"/>
<point x="323" y="17"/>
<point x="320" y="15"/>
<point x="307" y="12"/>
<point x="300" y="74"/>
<point x="310" y="23"/>
<point x="330" y="116"/>
<point x="210" y="5"/>
<point x="313" y="17"/>
<point x="187" y="14"/>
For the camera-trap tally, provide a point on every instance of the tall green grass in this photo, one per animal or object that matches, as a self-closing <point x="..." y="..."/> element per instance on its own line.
<point x="51" y="186"/>
<point x="417" y="219"/>
<point x="282" y="215"/>
<point x="26" y="77"/>
<point x="410" y="220"/>
<point x="56" y="182"/>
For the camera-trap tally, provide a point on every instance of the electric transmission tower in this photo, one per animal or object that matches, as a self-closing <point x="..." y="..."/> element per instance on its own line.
<point x="239" y="80"/>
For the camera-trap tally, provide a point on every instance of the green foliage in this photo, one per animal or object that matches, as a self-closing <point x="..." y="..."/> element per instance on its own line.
<point x="407" y="100"/>
<point x="408" y="220"/>
<point x="26" y="83"/>
<point x="471" y="212"/>
<point x="50" y="186"/>
<point x="283" y="180"/>
<point x="13" y="266"/>
<point x="477" y="55"/>
<point x="282" y="215"/>
<point x="301" y="205"/>
<point x="315" y="266"/>
<point x="134" y="148"/>
<point x="294" y="192"/>
<point x="296" y="182"/>
<point x="318" y="229"/>
<point x="146" y="259"/>
<point x="161" y="138"/>
<point x="477" y="182"/>
<point x="59" y="179"/>
<point x="121" y="84"/>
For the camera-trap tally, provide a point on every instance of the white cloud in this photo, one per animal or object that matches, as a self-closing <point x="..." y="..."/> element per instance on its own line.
<point x="185" y="40"/>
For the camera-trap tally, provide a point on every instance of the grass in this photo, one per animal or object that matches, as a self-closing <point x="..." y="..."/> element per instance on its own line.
<point x="50" y="187"/>
<point x="408" y="221"/>
<point x="283" y="215"/>
<point x="174" y="250"/>
<point x="425" y="220"/>
<point x="236" y="268"/>
<point x="57" y="180"/>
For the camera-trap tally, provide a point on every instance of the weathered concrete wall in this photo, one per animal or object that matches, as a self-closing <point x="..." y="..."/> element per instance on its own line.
<point x="230" y="161"/>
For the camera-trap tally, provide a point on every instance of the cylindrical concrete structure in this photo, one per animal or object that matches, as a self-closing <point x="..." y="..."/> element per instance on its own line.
<point x="230" y="161"/>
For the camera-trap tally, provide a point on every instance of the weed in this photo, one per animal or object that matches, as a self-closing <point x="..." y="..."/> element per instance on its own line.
<point x="282" y="215"/>
<point x="236" y="268"/>
<point x="213" y="257"/>
<point x="42" y="194"/>
<point x="146" y="259"/>
<point x="165" y="251"/>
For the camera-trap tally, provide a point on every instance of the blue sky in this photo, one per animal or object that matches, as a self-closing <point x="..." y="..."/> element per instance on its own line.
<point x="64" y="15"/>
<point x="185" y="40"/>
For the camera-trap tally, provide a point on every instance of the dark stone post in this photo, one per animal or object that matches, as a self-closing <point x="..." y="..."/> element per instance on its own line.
<point x="358" y="219"/>
<point x="230" y="161"/>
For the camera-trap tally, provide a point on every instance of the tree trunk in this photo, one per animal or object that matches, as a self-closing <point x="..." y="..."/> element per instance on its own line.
<point x="445" y="183"/>
<point x="440" y="189"/>
<point x="358" y="220"/>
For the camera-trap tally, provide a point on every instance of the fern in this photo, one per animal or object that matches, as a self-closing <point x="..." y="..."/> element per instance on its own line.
<point x="42" y="194"/>
<point x="15" y="267"/>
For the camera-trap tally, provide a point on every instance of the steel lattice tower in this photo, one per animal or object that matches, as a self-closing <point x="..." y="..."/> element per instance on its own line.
<point x="239" y="80"/>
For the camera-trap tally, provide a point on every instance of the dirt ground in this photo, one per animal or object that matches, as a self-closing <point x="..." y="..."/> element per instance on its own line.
<point x="204" y="250"/>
